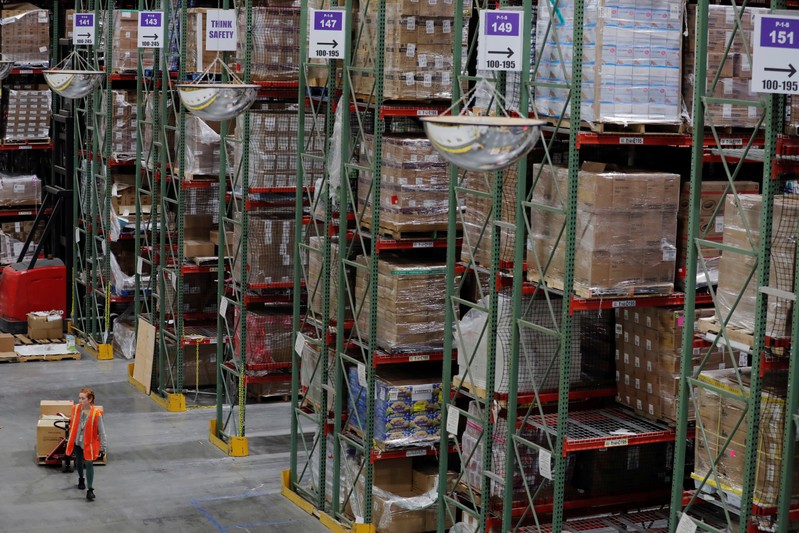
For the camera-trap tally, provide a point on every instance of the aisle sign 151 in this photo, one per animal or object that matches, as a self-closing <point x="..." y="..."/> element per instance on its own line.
<point x="775" y="54"/>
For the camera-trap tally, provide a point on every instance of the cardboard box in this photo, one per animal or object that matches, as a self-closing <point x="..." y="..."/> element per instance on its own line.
<point x="6" y="345"/>
<point x="55" y="407"/>
<point x="197" y="227"/>
<point x="45" y="325"/>
<point x="48" y="436"/>
<point x="194" y="248"/>
<point x="230" y="244"/>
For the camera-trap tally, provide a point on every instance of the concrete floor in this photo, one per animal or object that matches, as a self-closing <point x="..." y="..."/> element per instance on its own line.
<point x="163" y="474"/>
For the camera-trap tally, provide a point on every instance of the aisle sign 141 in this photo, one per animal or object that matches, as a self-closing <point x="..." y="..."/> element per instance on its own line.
<point x="500" y="40"/>
<point x="83" y="29"/>
<point x="327" y="34"/>
<point x="775" y="54"/>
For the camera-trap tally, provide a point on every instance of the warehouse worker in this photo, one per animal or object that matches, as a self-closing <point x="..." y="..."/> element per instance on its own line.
<point x="86" y="438"/>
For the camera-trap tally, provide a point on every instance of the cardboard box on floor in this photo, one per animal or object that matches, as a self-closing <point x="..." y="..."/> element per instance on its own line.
<point x="6" y="345"/>
<point x="45" y="325"/>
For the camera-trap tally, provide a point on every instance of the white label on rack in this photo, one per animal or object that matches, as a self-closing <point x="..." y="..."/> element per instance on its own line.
<point x="631" y="140"/>
<point x="415" y="453"/>
<point x="423" y="244"/>
<point x="719" y="224"/>
<point x="453" y="418"/>
<point x="299" y="344"/>
<point x="223" y="306"/>
<point x="416" y="358"/>
<point x="140" y="265"/>
<point x="743" y="359"/>
<point x="361" y="374"/>
<point x="614" y="443"/>
<point x="731" y="142"/>
<point x="686" y="525"/>
<point x="623" y="303"/>
<point x="77" y="234"/>
<point x="545" y="464"/>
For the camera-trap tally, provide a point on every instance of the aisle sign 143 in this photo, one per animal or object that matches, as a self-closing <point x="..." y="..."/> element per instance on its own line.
<point x="775" y="54"/>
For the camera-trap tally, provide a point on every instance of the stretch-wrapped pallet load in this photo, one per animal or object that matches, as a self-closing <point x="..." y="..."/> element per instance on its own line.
<point x="270" y="250"/>
<point x="537" y="372"/>
<point x="269" y="345"/>
<point x="649" y="358"/>
<point x="25" y="36"/>
<point x="199" y="293"/>
<point x="273" y="147"/>
<point x="163" y="136"/>
<point x="734" y="269"/>
<point x="203" y="145"/>
<point x="478" y="233"/>
<point x="407" y="407"/>
<point x="720" y="415"/>
<point x="203" y="201"/>
<point x="631" y="61"/>
<point x="315" y="280"/>
<point x="417" y="53"/>
<point x="410" y="306"/>
<point x="626" y="231"/>
<point x="414" y="181"/>
<point x="27" y="115"/>
<point x="733" y="69"/>
<point x="124" y="121"/>
<point x="125" y="55"/>
<point x="311" y="376"/>
<point x="20" y="190"/>
<point x="275" y="43"/>
<point x="199" y="58"/>
<point x="711" y="227"/>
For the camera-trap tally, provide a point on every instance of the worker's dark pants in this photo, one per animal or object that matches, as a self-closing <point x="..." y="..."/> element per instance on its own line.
<point x="79" y="462"/>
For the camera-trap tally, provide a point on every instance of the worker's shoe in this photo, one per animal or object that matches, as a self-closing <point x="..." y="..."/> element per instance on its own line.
<point x="90" y="495"/>
<point x="81" y="483"/>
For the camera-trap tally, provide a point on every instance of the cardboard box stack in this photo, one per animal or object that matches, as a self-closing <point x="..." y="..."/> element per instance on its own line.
<point x="407" y="407"/>
<point x="536" y="370"/>
<point x="199" y="293"/>
<point x="20" y="190"/>
<point x="315" y="294"/>
<point x="735" y="72"/>
<point x="477" y="210"/>
<point x="720" y="414"/>
<point x="199" y="364"/>
<point x="123" y="199"/>
<point x="711" y="224"/>
<point x="48" y="436"/>
<point x="631" y="61"/>
<point x="203" y="145"/>
<point x="735" y="268"/>
<point x="414" y="181"/>
<point x="404" y="496"/>
<point x="649" y="359"/>
<point x="124" y="121"/>
<point x="417" y="53"/>
<point x="270" y="250"/>
<point x="199" y="58"/>
<point x="45" y="325"/>
<point x="25" y="38"/>
<point x="626" y="231"/>
<point x="273" y="146"/>
<point x="410" y="303"/>
<point x="269" y="345"/>
<point x="275" y="43"/>
<point x="12" y="239"/>
<point x="125" y="57"/>
<point x="27" y="115"/>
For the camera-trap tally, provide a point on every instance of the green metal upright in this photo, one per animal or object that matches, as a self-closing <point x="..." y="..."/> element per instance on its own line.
<point x="738" y="503"/>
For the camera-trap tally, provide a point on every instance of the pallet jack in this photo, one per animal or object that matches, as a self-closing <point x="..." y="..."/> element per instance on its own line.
<point x="38" y="285"/>
<point x="59" y="457"/>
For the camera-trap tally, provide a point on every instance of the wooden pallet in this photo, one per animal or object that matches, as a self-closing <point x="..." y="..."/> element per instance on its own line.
<point x="54" y="357"/>
<point x="471" y="388"/>
<point x="24" y="340"/>
<point x="635" y="291"/>
<point x="632" y="129"/>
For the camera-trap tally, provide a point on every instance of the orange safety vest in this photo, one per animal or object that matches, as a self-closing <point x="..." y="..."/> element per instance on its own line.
<point x="91" y="435"/>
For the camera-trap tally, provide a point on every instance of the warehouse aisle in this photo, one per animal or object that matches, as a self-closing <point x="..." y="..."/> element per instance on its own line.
<point x="163" y="474"/>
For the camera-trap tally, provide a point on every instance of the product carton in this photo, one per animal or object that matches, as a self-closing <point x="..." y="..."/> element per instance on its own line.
<point x="6" y="345"/>
<point x="196" y="248"/>
<point x="45" y="325"/>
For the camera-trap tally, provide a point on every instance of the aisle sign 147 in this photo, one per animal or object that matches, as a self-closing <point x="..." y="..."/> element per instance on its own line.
<point x="327" y="33"/>
<point x="775" y="54"/>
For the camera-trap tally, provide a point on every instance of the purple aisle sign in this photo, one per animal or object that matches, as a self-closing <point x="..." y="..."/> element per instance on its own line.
<point x="84" y="19"/>
<point x="777" y="32"/>
<point x="150" y="19"/>
<point x="506" y="24"/>
<point x="328" y="20"/>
